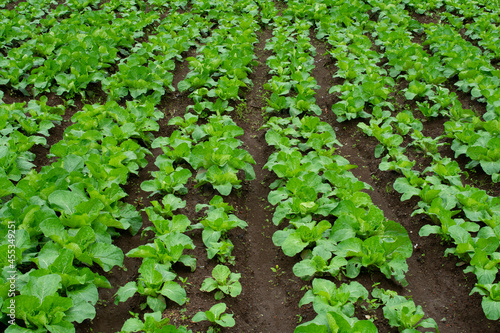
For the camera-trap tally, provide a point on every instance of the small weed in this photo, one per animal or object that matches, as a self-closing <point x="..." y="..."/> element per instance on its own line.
<point x="278" y="271"/>
<point x="241" y="109"/>
<point x="183" y="317"/>
<point x="102" y="302"/>
<point x="138" y="202"/>
<point x="184" y="281"/>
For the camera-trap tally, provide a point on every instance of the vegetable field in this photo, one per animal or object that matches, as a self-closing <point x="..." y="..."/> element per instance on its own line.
<point x="249" y="166"/>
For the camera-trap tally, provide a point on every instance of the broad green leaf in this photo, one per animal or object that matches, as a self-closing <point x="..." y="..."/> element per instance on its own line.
<point x="226" y="320"/>
<point x="221" y="273"/>
<point x="66" y="201"/>
<point x="174" y="291"/>
<point x="156" y="303"/>
<point x="491" y="308"/>
<point x="428" y="229"/>
<point x="125" y="292"/>
<point x="43" y="286"/>
<point x="61" y="327"/>
<point x="311" y="328"/>
<point x="19" y="329"/>
<point x="106" y="255"/>
<point x="209" y="285"/>
<point x="293" y="244"/>
<point x="84" y="300"/>
<point x="132" y="325"/>
<point x="6" y="186"/>
<point x="200" y="316"/>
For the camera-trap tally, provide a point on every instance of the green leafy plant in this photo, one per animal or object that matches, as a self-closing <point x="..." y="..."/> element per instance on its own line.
<point x="216" y="225"/>
<point x="156" y="282"/>
<point x="153" y="323"/>
<point x="169" y="179"/>
<point x="216" y="315"/>
<point x="223" y="280"/>
<point x="293" y="241"/>
<point x="491" y="299"/>
<point x="402" y="312"/>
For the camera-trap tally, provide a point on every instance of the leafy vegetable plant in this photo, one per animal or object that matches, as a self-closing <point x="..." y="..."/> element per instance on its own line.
<point x="153" y="323"/>
<point x="223" y="280"/>
<point x="216" y="225"/>
<point x="216" y="315"/>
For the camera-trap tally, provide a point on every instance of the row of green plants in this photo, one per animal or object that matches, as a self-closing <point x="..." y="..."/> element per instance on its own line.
<point x="170" y="239"/>
<point x="23" y="127"/>
<point x="22" y="22"/>
<point x="443" y="195"/>
<point x="147" y="71"/>
<point x="40" y="56"/>
<point x="72" y="209"/>
<point x="292" y="86"/>
<point x="365" y="83"/>
<point x="203" y="150"/>
<point x="336" y="306"/>
<point x="66" y="215"/>
<point x="220" y="69"/>
<point x="331" y="222"/>
<point x="477" y="139"/>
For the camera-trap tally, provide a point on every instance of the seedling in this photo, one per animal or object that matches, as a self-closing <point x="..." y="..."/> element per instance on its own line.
<point x="227" y="282"/>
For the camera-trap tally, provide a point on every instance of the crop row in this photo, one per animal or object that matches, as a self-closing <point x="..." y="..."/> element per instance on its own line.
<point x="315" y="184"/>
<point x="211" y="152"/>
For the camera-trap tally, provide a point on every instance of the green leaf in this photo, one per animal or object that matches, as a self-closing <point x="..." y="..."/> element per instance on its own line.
<point x="156" y="303"/>
<point x="183" y="85"/>
<point x="6" y="186"/>
<point x="66" y="201"/>
<point x="491" y="308"/>
<point x="311" y="328"/>
<point x="404" y="187"/>
<point x="43" y="286"/>
<point x="221" y="273"/>
<point x="174" y="292"/>
<point x="293" y="244"/>
<point x="209" y="285"/>
<point x="19" y="329"/>
<point x="84" y="300"/>
<point x="428" y="229"/>
<point x="106" y="255"/>
<point x="125" y="292"/>
<point x="149" y="186"/>
<point x="200" y="316"/>
<point x="133" y="325"/>
<point x="26" y="305"/>
<point x="61" y="327"/>
<point x="224" y="189"/>
<point x="226" y="320"/>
